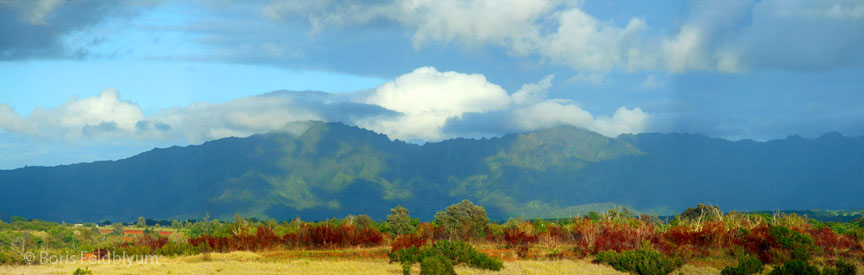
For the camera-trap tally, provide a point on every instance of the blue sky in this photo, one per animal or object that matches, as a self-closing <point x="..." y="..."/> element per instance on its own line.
<point x="89" y="80"/>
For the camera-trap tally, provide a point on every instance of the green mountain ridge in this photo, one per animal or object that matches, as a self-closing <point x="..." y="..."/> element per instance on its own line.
<point x="317" y="170"/>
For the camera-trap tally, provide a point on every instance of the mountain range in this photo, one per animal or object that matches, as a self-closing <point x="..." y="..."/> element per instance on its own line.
<point x="317" y="170"/>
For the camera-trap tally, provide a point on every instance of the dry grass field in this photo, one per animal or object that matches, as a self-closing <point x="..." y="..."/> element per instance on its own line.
<point x="310" y="262"/>
<point x="264" y="263"/>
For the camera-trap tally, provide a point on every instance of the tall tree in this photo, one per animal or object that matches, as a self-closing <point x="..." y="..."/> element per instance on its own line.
<point x="399" y="221"/>
<point x="463" y="220"/>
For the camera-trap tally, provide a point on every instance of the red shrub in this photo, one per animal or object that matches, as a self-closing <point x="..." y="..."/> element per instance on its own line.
<point x="616" y="237"/>
<point x="150" y="241"/>
<point x="832" y="243"/>
<point x="686" y="241"/>
<point x="325" y="236"/>
<point x="515" y="237"/>
<point x="758" y="241"/>
<point x="406" y="241"/>
<point x="292" y="240"/>
<point x="427" y="231"/>
<point x="558" y="233"/>
<point x="585" y="231"/>
<point x="368" y="237"/>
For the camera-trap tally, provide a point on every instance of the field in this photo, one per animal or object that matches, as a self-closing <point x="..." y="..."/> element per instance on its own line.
<point x="309" y="262"/>
<point x="701" y="240"/>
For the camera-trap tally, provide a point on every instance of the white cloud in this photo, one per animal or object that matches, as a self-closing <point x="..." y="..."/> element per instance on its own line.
<point x="533" y="93"/>
<point x="623" y="121"/>
<point x="532" y="110"/>
<point x="104" y="114"/>
<point x="416" y="107"/>
<point x="555" y="112"/>
<point x="714" y="35"/>
<point x="427" y="98"/>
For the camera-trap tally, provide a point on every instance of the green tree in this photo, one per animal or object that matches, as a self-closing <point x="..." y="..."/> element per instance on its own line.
<point x="141" y="222"/>
<point x="399" y="221"/>
<point x="176" y="224"/>
<point x="117" y="229"/>
<point x="463" y="220"/>
<point x="363" y="221"/>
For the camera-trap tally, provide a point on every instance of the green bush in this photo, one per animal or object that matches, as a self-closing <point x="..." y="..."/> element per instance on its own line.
<point x="436" y="265"/>
<point x="442" y="256"/>
<point x="795" y="267"/>
<point x="85" y="271"/>
<point x="800" y="246"/>
<point x="643" y="261"/>
<point x="840" y="268"/>
<point x="462" y="252"/>
<point x="746" y="265"/>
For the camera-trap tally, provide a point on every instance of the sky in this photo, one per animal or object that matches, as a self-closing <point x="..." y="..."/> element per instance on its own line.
<point x="84" y="80"/>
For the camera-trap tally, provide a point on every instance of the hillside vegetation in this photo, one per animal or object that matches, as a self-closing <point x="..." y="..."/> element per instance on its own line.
<point x="320" y="170"/>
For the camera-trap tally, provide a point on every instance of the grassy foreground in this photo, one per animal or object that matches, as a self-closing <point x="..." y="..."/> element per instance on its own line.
<point x="260" y="263"/>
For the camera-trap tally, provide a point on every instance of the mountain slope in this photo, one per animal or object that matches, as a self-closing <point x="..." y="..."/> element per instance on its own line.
<point x="319" y="170"/>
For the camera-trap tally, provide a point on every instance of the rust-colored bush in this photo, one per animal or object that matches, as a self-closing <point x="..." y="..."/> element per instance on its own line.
<point x="617" y="237"/>
<point x="407" y="241"/>
<point x="832" y="243"/>
<point x="516" y="237"/>
<point x="368" y="237"/>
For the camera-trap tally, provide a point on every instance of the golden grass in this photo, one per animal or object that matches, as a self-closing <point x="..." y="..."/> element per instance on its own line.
<point x="255" y="263"/>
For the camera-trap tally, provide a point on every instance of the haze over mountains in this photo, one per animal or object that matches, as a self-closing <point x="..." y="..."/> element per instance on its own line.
<point x="317" y="170"/>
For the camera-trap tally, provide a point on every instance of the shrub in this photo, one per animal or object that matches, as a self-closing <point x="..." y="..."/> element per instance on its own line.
<point x="85" y="271"/>
<point x="462" y="252"/>
<point x="643" y="261"/>
<point x="440" y="258"/>
<point x="516" y="237"/>
<point x="617" y="237"/>
<point x="840" y="268"/>
<point x="325" y="235"/>
<point x="795" y="267"/>
<point x="368" y="237"/>
<point x="436" y="265"/>
<point x="174" y="249"/>
<point x="830" y="242"/>
<point x="746" y="265"/>
<point x="407" y="241"/>
<point x="800" y="245"/>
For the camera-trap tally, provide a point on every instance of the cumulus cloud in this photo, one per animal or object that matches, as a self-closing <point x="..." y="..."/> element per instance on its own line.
<point x="541" y="112"/>
<point x="427" y="98"/>
<point x="104" y="114"/>
<point x="423" y="105"/>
